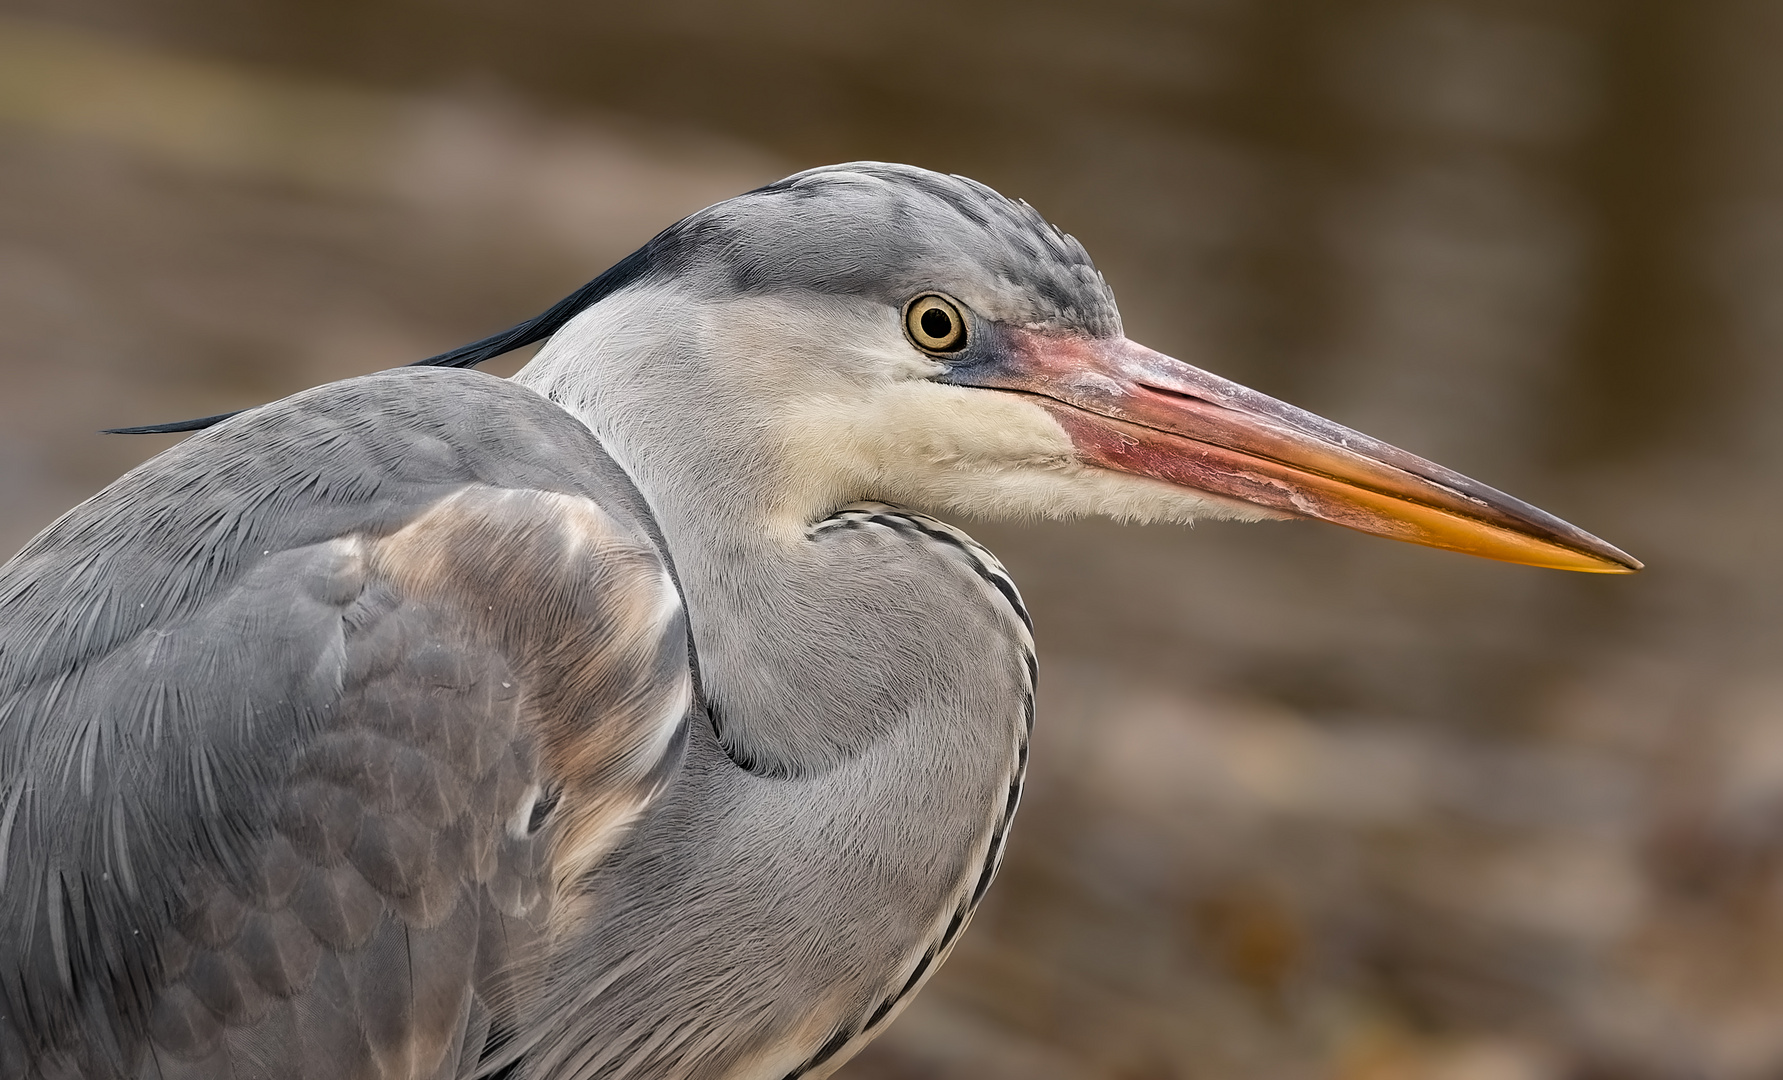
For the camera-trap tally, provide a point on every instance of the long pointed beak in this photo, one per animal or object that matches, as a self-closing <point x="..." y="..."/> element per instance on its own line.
<point x="1137" y="411"/>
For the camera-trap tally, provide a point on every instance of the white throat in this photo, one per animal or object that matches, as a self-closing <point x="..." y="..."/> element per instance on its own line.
<point x="761" y="415"/>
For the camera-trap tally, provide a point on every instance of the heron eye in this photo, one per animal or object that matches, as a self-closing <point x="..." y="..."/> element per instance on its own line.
<point x="935" y="324"/>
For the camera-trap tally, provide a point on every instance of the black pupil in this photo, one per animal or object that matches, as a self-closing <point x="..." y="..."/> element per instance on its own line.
<point x="937" y="324"/>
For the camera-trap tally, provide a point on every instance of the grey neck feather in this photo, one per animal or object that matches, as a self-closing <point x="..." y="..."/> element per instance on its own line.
<point x="877" y="665"/>
<point x="807" y="653"/>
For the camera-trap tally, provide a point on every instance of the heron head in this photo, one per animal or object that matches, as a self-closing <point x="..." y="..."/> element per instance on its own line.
<point x="873" y="331"/>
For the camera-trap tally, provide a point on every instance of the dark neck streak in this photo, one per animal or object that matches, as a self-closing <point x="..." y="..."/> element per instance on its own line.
<point x="812" y="653"/>
<point x="896" y="620"/>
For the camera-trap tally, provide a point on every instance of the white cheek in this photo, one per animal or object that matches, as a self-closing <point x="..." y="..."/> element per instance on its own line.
<point x="979" y="452"/>
<point x="917" y="426"/>
<point x="851" y="413"/>
<point x="1084" y="491"/>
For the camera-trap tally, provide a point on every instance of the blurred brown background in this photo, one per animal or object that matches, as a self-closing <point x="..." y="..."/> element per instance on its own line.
<point x="1305" y="805"/>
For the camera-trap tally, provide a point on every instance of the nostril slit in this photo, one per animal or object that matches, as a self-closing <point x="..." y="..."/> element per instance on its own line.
<point x="1165" y="391"/>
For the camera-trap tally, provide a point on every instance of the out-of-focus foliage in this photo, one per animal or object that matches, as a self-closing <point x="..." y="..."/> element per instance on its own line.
<point x="1305" y="804"/>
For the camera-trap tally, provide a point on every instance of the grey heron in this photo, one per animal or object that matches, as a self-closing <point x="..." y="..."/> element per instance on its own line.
<point x="636" y="717"/>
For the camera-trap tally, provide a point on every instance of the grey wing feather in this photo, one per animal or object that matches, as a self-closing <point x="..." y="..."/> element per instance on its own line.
<point x="307" y="726"/>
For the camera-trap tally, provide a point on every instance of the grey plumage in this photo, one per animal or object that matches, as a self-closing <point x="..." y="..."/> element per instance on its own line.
<point x="291" y="775"/>
<point x="263" y="763"/>
<point x="628" y="719"/>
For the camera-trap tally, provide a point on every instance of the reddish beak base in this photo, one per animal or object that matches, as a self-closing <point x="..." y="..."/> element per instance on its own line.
<point x="1133" y="410"/>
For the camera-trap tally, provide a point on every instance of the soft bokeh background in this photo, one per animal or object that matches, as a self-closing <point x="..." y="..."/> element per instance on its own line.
<point x="1304" y="804"/>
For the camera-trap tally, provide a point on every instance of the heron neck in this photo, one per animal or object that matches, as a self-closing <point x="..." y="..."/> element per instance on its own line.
<point x="812" y="643"/>
<point x="814" y="650"/>
<point x="876" y="687"/>
<point x="878" y="696"/>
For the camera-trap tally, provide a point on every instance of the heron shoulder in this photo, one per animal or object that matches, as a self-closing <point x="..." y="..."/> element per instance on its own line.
<point x="332" y="696"/>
